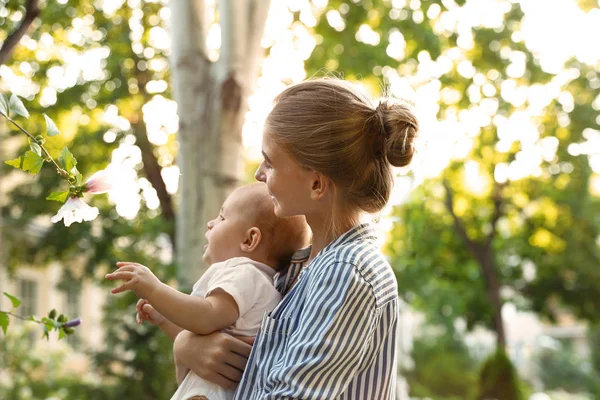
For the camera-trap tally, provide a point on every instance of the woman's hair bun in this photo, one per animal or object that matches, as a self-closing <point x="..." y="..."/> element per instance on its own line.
<point x="400" y="127"/>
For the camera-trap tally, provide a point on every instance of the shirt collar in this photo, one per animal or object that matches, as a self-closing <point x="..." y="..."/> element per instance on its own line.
<point x="364" y="231"/>
<point x="288" y="275"/>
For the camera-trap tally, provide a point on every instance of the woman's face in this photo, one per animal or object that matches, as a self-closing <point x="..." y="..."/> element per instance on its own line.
<point x="289" y="184"/>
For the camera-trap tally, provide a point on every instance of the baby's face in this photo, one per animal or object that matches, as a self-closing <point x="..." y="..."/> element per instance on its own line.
<point x="226" y="233"/>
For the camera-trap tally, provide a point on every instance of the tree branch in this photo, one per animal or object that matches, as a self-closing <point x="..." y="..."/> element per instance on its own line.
<point x="498" y="213"/>
<point x="471" y="244"/>
<point x="258" y="11"/>
<point x="233" y="20"/>
<point x="152" y="170"/>
<point x="32" y="11"/>
<point x="485" y="257"/>
<point x="191" y="17"/>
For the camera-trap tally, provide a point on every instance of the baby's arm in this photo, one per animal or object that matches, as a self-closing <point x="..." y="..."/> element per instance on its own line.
<point x="199" y="315"/>
<point x="195" y="314"/>
<point x="145" y="312"/>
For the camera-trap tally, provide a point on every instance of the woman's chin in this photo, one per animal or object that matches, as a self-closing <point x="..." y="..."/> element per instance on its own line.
<point x="277" y="210"/>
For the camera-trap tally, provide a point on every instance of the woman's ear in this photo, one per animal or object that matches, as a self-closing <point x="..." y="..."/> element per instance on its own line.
<point x="321" y="186"/>
<point x="252" y="239"/>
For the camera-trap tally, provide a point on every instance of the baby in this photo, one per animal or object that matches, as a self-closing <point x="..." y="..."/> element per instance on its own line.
<point x="246" y="246"/>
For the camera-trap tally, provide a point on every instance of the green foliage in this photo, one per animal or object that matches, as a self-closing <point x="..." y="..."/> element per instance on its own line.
<point x="563" y="369"/>
<point x="33" y="160"/>
<point x="66" y="160"/>
<point x="58" y="196"/>
<point x="594" y="342"/>
<point x="30" y="162"/>
<point x="4" y="104"/>
<point x="138" y="360"/>
<point x="443" y="369"/>
<point x="45" y="374"/>
<point x="4" y="321"/>
<point x="498" y="379"/>
<point x="546" y="223"/>
<point x="52" y="322"/>
<point x="134" y="362"/>
<point x="14" y="301"/>
<point x="51" y="128"/>
<point x="16" y="106"/>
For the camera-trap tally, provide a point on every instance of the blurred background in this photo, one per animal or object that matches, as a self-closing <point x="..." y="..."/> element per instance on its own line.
<point x="493" y="231"/>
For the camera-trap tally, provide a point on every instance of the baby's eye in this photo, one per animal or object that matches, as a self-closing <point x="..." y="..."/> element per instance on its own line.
<point x="221" y="217"/>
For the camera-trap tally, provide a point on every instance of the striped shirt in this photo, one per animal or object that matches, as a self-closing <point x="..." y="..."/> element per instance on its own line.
<point x="333" y="336"/>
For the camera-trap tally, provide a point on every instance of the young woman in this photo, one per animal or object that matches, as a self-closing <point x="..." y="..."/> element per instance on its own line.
<point x="328" y="156"/>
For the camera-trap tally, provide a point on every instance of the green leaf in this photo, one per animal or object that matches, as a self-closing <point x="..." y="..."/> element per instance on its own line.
<point x="36" y="148"/>
<point x="32" y="163"/>
<point x="52" y="314"/>
<point x="4" y="321"/>
<point x="48" y="326"/>
<point x="15" y="302"/>
<point x="45" y="335"/>
<point x="61" y="334"/>
<point x="58" y="196"/>
<point x="66" y="160"/>
<point x="16" y="106"/>
<point x="62" y="319"/>
<point x="4" y="104"/>
<point x="17" y="162"/>
<point x="52" y="130"/>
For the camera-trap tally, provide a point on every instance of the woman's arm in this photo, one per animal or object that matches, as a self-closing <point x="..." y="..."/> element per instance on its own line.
<point x="218" y="357"/>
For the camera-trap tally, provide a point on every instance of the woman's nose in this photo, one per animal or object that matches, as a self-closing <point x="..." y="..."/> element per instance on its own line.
<point x="260" y="175"/>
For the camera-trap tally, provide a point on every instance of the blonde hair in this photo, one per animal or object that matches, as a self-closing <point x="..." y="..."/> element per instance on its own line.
<point x="283" y="236"/>
<point x="329" y="126"/>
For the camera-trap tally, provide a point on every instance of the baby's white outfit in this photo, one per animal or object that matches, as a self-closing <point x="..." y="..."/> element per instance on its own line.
<point x="250" y="283"/>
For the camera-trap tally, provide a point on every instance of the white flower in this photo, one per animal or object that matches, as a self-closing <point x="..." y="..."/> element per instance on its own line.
<point x="101" y="182"/>
<point x="75" y="210"/>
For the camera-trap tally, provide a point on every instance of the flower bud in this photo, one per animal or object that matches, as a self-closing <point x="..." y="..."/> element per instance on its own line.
<point x="73" y="323"/>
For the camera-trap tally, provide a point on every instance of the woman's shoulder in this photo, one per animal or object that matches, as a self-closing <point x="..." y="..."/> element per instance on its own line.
<point x="366" y="260"/>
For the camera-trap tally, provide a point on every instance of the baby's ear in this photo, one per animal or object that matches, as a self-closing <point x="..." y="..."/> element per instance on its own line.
<point x="252" y="239"/>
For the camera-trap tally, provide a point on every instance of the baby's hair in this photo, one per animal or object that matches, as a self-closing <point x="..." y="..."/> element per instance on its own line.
<point x="330" y="126"/>
<point x="283" y="236"/>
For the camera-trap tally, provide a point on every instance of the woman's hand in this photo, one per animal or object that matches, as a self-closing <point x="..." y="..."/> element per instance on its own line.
<point x="219" y="358"/>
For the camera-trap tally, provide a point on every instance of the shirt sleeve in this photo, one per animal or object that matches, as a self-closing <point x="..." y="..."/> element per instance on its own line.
<point x="327" y="347"/>
<point x="244" y="283"/>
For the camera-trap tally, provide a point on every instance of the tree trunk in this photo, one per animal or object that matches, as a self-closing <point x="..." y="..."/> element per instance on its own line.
<point x="488" y="267"/>
<point x="211" y="100"/>
<point x="484" y="254"/>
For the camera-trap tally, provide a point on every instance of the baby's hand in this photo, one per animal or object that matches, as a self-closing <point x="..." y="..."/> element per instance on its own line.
<point x="137" y="277"/>
<point x="145" y="312"/>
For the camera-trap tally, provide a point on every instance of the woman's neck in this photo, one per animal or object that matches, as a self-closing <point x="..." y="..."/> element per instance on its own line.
<point x="321" y="231"/>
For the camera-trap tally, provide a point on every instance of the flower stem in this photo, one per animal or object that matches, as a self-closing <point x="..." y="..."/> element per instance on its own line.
<point x="60" y="171"/>
<point x="20" y="316"/>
